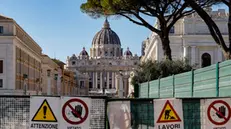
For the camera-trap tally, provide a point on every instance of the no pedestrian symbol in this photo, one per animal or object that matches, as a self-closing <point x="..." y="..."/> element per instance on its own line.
<point x="218" y="112"/>
<point x="75" y="111"/>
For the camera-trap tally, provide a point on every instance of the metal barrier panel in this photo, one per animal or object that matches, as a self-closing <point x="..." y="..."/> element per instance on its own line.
<point x="205" y="82"/>
<point x="166" y="87"/>
<point x="183" y="85"/>
<point x="191" y="113"/>
<point x="143" y="114"/>
<point x="143" y="92"/>
<point x="14" y="112"/>
<point x="225" y="79"/>
<point x="154" y="89"/>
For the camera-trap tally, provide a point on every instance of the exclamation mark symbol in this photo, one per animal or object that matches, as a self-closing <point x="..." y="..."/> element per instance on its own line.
<point x="44" y="111"/>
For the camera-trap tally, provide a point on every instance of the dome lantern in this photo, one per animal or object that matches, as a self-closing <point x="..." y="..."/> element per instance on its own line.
<point x="106" y="36"/>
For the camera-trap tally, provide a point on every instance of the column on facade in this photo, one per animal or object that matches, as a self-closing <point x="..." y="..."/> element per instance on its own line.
<point x="117" y="82"/>
<point x="101" y="80"/>
<point x="90" y="51"/>
<point x="93" y="79"/>
<point x="96" y="80"/>
<point x="219" y="55"/>
<point x="96" y="53"/>
<point x="119" y="85"/>
<point x="185" y="54"/>
<point x="193" y="55"/>
<point x="113" y="80"/>
<point x="125" y="88"/>
<point x="115" y="52"/>
<point x="108" y="73"/>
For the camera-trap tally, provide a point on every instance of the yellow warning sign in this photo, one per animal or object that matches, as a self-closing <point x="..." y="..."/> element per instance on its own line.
<point x="168" y="114"/>
<point x="44" y="113"/>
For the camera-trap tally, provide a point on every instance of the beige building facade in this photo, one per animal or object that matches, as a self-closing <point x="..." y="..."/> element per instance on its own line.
<point x="190" y="39"/>
<point x="20" y="60"/>
<point x="49" y="72"/>
<point x="66" y="83"/>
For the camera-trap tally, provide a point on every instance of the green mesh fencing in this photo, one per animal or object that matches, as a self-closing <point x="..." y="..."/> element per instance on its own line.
<point x="142" y="114"/>
<point x="191" y="114"/>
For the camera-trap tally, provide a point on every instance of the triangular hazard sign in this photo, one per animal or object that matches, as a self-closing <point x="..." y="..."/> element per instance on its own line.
<point x="168" y="114"/>
<point x="44" y="113"/>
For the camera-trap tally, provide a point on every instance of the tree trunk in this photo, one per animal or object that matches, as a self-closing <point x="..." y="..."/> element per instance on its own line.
<point x="213" y="28"/>
<point x="166" y="47"/>
<point x="228" y="56"/>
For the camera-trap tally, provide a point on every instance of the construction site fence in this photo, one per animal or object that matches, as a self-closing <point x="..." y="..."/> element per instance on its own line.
<point x="15" y="112"/>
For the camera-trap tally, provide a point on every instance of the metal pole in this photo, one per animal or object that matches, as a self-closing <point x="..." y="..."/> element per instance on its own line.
<point x="48" y="82"/>
<point x="148" y="84"/>
<point x="25" y="83"/>
<point x="217" y="79"/>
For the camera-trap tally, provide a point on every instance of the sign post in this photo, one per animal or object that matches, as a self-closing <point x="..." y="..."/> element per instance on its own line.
<point x="218" y="113"/>
<point x="75" y="113"/>
<point x="168" y="114"/>
<point x="44" y="112"/>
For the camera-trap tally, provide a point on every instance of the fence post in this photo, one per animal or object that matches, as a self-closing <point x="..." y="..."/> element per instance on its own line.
<point x="148" y="88"/>
<point x="159" y="87"/>
<point x="173" y="84"/>
<point x="192" y="82"/>
<point x="217" y="79"/>
<point x="136" y="90"/>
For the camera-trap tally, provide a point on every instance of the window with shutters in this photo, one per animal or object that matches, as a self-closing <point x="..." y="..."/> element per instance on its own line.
<point x="1" y="29"/>
<point x="1" y="83"/>
<point x="1" y="66"/>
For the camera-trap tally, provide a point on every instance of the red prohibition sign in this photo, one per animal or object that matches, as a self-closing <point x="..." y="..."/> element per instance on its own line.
<point x="211" y="106"/>
<point x="67" y="104"/>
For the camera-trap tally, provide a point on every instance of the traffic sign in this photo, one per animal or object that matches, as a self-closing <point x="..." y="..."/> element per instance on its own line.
<point x="44" y="112"/>
<point x="218" y="113"/>
<point x="168" y="113"/>
<point x="75" y="112"/>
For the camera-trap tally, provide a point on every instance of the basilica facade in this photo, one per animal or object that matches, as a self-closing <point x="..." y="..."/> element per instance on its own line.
<point x="190" y="39"/>
<point x="107" y="69"/>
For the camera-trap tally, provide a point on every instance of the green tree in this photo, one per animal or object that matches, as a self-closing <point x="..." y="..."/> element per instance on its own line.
<point x="213" y="28"/>
<point x="152" y="70"/>
<point x="167" y="12"/>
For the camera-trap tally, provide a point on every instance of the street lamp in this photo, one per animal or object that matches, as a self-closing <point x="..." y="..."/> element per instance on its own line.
<point x="56" y="80"/>
<point x="37" y="86"/>
<point x="25" y="78"/>
<point x="149" y="77"/>
<point x="48" y="82"/>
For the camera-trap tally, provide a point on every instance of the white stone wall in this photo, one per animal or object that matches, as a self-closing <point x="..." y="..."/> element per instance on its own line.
<point x="191" y="38"/>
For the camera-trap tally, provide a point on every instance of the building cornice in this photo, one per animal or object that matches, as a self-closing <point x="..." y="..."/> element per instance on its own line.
<point x="19" y="27"/>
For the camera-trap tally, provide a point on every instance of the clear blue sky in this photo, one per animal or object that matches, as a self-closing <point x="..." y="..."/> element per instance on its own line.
<point x="61" y="29"/>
